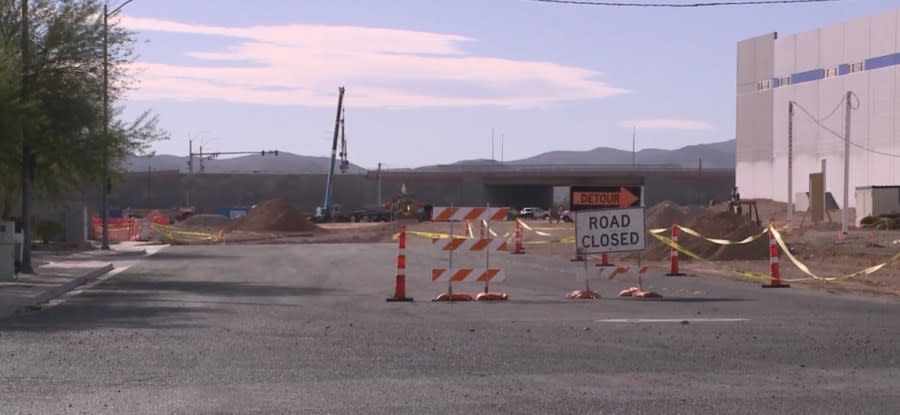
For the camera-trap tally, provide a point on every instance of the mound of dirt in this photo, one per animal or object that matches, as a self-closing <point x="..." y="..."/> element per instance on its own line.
<point x="720" y="225"/>
<point x="665" y="214"/>
<point x="275" y="215"/>
<point x="725" y="225"/>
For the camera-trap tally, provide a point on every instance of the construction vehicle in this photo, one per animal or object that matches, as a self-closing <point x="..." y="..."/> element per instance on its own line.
<point x="329" y="212"/>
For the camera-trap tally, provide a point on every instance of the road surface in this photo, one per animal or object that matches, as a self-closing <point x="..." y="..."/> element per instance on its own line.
<point x="306" y="329"/>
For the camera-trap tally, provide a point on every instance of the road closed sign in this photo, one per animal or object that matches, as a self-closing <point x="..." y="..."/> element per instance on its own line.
<point x="610" y="230"/>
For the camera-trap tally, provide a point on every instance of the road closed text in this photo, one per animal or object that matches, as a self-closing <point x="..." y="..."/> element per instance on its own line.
<point x="610" y="240"/>
<point x="610" y="230"/>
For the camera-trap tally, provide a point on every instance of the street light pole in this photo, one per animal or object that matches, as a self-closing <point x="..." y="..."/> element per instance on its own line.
<point x="105" y="202"/>
<point x="107" y="182"/>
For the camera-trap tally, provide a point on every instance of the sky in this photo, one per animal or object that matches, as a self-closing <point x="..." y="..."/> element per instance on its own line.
<point x="439" y="81"/>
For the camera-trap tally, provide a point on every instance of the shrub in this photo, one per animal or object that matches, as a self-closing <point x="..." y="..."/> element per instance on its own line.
<point x="47" y="230"/>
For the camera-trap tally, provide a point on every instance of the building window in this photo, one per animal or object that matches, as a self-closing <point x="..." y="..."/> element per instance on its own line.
<point x="764" y="85"/>
<point x="831" y="72"/>
<point x="857" y="67"/>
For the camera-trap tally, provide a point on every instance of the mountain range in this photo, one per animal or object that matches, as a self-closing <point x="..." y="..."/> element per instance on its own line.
<point x="720" y="155"/>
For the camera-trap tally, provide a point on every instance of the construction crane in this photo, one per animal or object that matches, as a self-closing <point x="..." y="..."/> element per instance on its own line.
<point x="327" y="214"/>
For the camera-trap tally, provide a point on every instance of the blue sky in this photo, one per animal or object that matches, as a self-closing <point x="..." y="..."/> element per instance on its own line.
<point x="428" y="80"/>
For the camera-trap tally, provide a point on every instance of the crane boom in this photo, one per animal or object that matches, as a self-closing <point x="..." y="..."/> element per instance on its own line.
<point x="337" y="125"/>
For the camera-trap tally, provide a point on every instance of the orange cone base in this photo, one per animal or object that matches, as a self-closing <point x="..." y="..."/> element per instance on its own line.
<point x="606" y="265"/>
<point x="647" y="294"/>
<point x="403" y="299"/>
<point x="522" y="252"/>
<point x="638" y="293"/>
<point x="676" y="274"/>
<point x="491" y="297"/>
<point x="629" y="292"/>
<point x="583" y="295"/>
<point x="776" y="285"/>
<point x="454" y="297"/>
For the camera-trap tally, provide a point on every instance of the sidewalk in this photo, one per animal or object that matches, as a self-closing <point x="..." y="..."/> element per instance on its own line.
<point x="59" y="273"/>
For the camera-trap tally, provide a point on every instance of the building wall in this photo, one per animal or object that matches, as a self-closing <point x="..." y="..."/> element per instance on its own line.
<point x="754" y="115"/>
<point x="862" y="56"/>
<point x="208" y="192"/>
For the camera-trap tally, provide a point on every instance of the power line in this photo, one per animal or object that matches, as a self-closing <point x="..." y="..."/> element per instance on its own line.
<point x="680" y="5"/>
<point x="839" y="135"/>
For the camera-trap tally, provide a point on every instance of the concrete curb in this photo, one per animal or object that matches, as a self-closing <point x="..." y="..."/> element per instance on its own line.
<point x="69" y="286"/>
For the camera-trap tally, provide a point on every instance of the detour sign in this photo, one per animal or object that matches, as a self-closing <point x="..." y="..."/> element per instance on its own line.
<point x="597" y="197"/>
<point x="603" y="231"/>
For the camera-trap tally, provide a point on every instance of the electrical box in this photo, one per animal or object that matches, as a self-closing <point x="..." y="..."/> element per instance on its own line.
<point x="876" y="201"/>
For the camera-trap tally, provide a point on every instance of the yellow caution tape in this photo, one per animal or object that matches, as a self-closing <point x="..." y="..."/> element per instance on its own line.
<point x="525" y="225"/>
<point x="746" y="240"/>
<point x="187" y="236"/>
<point x="488" y="227"/>
<point x="675" y="245"/>
<point x="565" y="240"/>
<point x="805" y="269"/>
<point x="759" y="276"/>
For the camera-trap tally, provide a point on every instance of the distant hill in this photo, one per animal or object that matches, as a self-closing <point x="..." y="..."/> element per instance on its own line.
<point x="714" y="155"/>
<point x="283" y="163"/>
<point x="719" y="155"/>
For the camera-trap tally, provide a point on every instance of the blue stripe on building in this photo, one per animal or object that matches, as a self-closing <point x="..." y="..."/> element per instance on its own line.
<point x="877" y="62"/>
<point x="808" y="76"/>
<point x="882" y="61"/>
<point x="843" y="69"/>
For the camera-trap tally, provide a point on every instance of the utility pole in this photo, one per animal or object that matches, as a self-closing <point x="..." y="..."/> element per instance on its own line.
<point x="790" y="163"/>
<point x="633" y="154"/>
<point x="106" y="180"/>
<point x="502" y="139"/>
<point x="27" y="157"/>
<point x="379" y="185"/>
<point x="191" y="156"/>
<point x="492" y="145"/>
<point x="846" y="165"/>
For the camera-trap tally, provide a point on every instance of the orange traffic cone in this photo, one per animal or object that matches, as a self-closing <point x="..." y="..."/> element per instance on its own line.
<point x="773" y="263"/>
<point x="400" y="284"/>
<point x="673" y="254"/>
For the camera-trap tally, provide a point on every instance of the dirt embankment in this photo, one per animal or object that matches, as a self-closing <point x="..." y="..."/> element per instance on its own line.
<point x="274" y="215"/>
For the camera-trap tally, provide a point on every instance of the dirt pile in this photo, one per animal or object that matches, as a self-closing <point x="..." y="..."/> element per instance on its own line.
<point x="275" y="215"/>
<point x="718" y="225"/>
<point x="665" y="214"/>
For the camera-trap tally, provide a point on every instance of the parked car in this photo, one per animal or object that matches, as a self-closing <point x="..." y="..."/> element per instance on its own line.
<point x="568" y="216"/>
<point x="533" y="213"/>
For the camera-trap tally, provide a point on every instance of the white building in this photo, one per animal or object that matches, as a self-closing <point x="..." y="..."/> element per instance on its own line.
<point x="815" y="70"/>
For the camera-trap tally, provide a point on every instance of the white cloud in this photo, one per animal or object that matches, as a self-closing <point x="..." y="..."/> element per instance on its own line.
<point x="668" y="124"/>
<point x="304" y="64"/>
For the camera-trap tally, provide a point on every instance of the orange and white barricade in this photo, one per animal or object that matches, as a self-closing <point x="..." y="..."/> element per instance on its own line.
<point x="453" y="274"/>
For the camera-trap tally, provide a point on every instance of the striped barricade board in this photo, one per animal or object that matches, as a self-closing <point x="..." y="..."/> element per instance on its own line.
<point x="458" y="214"/>
<point x="467" y="275"/>
<point x="466" y="244"/>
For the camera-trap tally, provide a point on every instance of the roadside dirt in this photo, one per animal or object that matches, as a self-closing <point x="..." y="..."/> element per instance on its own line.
<point x="821" y="247"/>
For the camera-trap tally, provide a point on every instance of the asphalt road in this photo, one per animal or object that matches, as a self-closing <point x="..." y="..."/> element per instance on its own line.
<point x="306" y="329"/>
